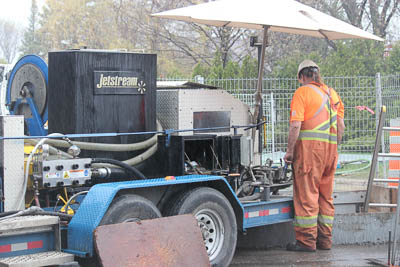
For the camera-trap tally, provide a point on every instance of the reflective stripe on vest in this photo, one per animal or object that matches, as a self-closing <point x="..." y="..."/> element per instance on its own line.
<point x="325" y="220"/>
<point x="305" y="221"/>
<point x="322" y="132"/>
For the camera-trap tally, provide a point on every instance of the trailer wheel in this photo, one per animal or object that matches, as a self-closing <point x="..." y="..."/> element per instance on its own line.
<point x="216" y="220"/>
<point x="130" y="208"/>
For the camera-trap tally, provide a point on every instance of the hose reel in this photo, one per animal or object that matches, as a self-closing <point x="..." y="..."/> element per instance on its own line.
<point x="27" y="93"/>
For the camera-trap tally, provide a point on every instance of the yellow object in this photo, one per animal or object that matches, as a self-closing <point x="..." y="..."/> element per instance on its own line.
<point x="70" y="211"/>
<point x="170" y="178"/>
<point x="66" y="194"/>
<point x="28" y="149"/>
<point x="383" y="108"/>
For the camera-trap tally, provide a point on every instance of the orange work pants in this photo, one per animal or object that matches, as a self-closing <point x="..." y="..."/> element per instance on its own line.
<point x="314" y="168"/>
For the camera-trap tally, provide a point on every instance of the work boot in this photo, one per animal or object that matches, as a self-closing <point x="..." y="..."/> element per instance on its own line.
<point x="320" y="246"/>
<point x="296" y="246"/>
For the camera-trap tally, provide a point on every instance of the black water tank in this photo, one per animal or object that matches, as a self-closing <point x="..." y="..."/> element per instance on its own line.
<point x="101" y="92"/>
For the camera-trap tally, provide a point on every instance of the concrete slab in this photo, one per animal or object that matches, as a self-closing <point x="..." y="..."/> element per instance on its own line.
<point x="341" y="255"/>
<point x="348" y="229"/>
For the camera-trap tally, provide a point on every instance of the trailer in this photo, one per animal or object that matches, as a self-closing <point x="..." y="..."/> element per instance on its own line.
<point x="121" y="151"/>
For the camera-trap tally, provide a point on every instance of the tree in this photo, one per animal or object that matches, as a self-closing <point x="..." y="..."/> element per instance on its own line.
<point x="247" y="69"/>
<point x="31" y="41"/>
<point x="348" y="60"/>
<point x="354" y="58"/>
<point x="186" y="43"/>
<point x="287" y="66"/>
<point x="393" y="61"/>
<point x="81" y="23"/>
<point x="9" y="38"/>
<point x="363" y="13"/>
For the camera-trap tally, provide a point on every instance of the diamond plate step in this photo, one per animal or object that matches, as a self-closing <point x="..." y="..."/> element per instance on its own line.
<point x="38" y="259"/>
<point x="23" y="222"/>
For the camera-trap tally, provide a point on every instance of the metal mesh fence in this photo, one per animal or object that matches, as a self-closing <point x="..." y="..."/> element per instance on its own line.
<point x="359" y="94"/>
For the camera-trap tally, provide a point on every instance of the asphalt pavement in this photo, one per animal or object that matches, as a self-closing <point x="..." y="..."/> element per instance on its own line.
<point x="343" y="255"/>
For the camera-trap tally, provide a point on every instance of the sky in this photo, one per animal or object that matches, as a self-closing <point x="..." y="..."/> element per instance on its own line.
<point x="17" y="11"/>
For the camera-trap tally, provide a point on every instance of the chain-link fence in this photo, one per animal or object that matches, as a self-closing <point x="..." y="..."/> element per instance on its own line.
<point x="362" y="96"/>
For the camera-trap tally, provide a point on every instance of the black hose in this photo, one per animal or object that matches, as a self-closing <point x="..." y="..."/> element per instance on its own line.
<point x="33" y="211"/>
<point x="52" y="213"/>
<point x="7" y="213"/>
<point x="250" y="198"/>
<point x="131" y="169"/>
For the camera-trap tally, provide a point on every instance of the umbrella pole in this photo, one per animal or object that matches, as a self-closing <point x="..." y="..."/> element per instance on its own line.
<point x="258" y="96"/>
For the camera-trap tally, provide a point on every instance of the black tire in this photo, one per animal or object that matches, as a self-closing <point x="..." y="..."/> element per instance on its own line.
<point x="129" y="208"/>
<point x="216" y="219"/>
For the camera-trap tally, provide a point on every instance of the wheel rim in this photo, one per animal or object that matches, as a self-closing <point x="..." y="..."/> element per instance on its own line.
<point x="212" y="230"/>
<point x="131" y="220"/>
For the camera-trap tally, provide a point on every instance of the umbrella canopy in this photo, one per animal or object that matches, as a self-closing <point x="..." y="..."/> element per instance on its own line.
<point x="287" y="16"/>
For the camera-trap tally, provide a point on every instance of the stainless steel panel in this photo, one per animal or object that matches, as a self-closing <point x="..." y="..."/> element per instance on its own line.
<point x="175" y="108"/>
<point x="167" y="108"/>
<point x="246" y="151"/>
<point x="12" y="162"/>
<point x="62" y="173"/>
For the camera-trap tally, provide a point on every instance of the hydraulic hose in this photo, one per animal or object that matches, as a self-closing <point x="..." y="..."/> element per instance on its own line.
<point x="354" y="170"/>
<point x="109" y="147"/>
<point x="121" y="164"/>
<point x="53" y="150"/>
<point x="250" y="198"/>
<point x="8" y="213"/>
<point x="133" y="161"/>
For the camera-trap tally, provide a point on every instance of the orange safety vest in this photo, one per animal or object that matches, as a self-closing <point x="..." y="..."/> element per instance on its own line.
<point x="323" y="125"/>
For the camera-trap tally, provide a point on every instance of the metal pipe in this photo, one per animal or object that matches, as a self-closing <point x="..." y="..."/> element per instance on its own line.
<point x="374" y="158"/>
<point x="394" y="129"/>
<point x="258" y="95"/>
<point x="390" y="240"/>
<point x="396" y="224"/>
<point x="389" y="155"/>
<point x="382" y="205"/>
<point x="385" y="180"/>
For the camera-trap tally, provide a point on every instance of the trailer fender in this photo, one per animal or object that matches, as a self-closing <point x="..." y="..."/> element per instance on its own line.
<point x="99" y="198"/>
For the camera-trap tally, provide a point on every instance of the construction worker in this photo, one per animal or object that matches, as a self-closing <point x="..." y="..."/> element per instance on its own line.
<point x="316" y="128"/>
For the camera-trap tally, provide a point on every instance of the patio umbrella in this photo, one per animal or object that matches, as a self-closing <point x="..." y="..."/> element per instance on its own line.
<point x="287" y="16"/>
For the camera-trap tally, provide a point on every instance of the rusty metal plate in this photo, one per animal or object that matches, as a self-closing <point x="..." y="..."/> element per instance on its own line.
<point x="169" y="241"/>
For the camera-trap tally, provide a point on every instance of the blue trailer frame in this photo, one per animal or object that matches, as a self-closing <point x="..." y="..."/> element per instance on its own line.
<point x="100" y="197"/>
<point x="97" y="201"/>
